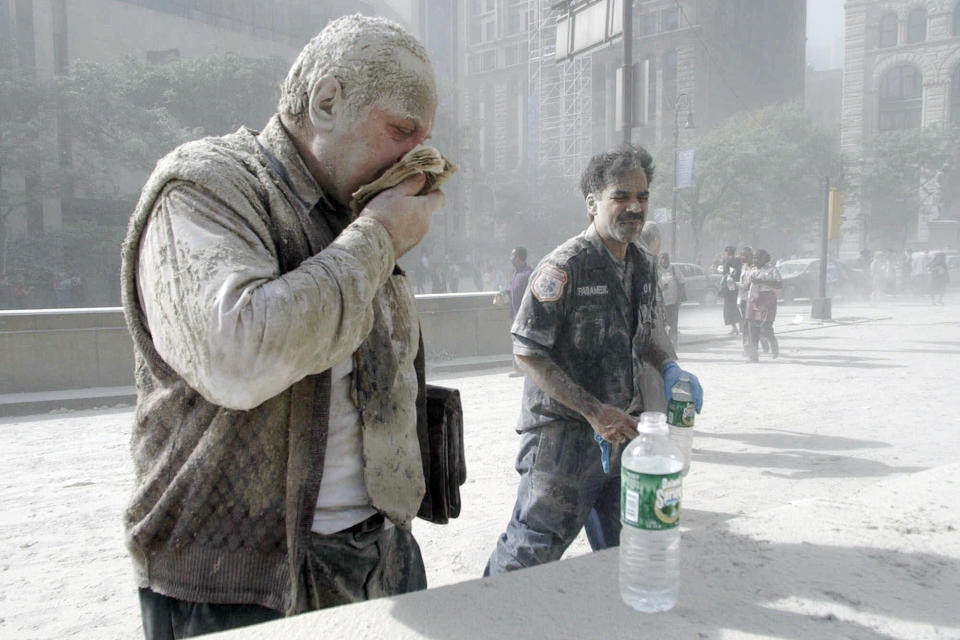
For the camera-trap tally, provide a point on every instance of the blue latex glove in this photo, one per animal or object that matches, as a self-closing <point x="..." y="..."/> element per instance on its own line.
<point x="604" y="452"/>
<point x="671" y="372"/>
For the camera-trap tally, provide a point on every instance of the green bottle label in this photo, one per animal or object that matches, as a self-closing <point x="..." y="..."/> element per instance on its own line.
<point x="649" y="501"/>
<point x="681" y="413"/>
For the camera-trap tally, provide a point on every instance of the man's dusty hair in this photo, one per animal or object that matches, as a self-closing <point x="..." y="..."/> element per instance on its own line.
<point x="606" y="166"/>
<point x="361" y="53"/>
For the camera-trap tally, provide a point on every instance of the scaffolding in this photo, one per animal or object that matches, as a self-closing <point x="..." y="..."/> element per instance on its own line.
<point x="561" y="99"/>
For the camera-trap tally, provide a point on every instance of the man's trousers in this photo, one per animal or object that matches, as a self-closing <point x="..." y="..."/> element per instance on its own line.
<point x="562" y="489"/>
<point x="366" y="561"/>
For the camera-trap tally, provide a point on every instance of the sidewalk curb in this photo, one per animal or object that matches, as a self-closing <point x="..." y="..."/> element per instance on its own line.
<point x="78" y="399"/>
<point x="24" y="404"/>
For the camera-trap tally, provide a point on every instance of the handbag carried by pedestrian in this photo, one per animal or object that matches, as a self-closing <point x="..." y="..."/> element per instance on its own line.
<point x="440" y="431"/>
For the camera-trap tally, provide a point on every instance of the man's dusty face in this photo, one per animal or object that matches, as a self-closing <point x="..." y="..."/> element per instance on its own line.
<point x="361" y="148"/>
<point x="621" y="208"/>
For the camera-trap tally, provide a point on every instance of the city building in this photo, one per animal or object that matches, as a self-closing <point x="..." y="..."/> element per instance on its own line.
<point x="535" y="107"/>
<point x="901" y="72"/>
<point x="822" y="99"/>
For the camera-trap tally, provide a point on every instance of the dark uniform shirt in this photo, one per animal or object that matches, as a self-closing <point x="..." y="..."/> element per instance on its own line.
<point x="594" y="318"/>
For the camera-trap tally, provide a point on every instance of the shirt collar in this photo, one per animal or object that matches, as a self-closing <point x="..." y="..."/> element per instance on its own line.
<point x="593" y="237"/>
<point x="285" y="160"/>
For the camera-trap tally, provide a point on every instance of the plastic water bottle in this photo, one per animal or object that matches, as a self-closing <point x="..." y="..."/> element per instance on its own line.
<point x="650" y="493"/>
<point x="681" y="413"/>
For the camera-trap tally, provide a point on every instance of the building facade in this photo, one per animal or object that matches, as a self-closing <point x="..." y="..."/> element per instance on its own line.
<point x="901" y="71"/>
<point x="822" y="98"/>
<point x="533" y="117"/>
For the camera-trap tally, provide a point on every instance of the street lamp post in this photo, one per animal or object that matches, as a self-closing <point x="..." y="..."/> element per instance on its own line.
<point x="683" y="102"/>
<point x="628" y="88"/>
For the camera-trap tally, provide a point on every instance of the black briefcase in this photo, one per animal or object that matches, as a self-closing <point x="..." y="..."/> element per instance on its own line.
<point x="440" y="431"/>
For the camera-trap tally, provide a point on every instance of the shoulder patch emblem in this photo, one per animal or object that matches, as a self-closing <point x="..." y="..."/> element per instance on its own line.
<point x="548" y="282"/>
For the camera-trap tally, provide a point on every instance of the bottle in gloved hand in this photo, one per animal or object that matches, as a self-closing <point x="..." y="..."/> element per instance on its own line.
<point x="650" y="493"/>
<point x="681" y="413"/>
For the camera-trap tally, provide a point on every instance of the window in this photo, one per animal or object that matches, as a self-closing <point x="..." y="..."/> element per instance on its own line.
<point x="489" y="60"/>
<point x="955" y="97"/>
<point x="956" y="20"/>
<point x="901" y="98"/>
<point x="648" y="24"/>
<point x="489" y="29"/>
<point x="479" y="62"/>
<point x="516" y="20"/>
<point x="888" y="30"/>
<point x="917" y="25"/>
<point x="511" y="55"/>
<point x="669" y="19"/>
<point x="651" y="88"/>
<point x="473" y="63"/>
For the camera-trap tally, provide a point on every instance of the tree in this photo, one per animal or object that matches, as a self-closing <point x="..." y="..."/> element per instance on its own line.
<point x="90" y="136"/>
<point x="757" y="179"/>
<point x="906" y="171"/>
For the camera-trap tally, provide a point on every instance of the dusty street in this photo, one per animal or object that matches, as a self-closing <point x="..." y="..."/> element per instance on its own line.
<point x="865" y="400"/>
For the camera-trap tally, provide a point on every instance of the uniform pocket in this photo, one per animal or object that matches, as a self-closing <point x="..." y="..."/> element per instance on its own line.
<point x="559" y="451"/>
<point x="590" y="328"/>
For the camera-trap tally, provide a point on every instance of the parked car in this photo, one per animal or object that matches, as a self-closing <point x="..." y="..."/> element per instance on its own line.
<point x="700" y="286"/>
<point x="801" y="279"/>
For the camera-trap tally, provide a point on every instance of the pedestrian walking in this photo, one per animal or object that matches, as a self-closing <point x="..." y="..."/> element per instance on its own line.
<point x="903" y="267"/>
<point x="743" y="284"/>
<point x="587" y="320"/>
<point x="939" y="277"/>
<point x="920" y="271"/>
<point x="764" y="287"/>
<point x="730" y="270"/>
<point x="518" y="284"/>
<point x="275" y="445"/>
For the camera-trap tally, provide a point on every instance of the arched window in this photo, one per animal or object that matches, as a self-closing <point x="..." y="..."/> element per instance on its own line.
<point x="955" y="96"/>
<point x="888" y="30"/>
<point x="917" y="25"/>
<point x="901" y="98"/>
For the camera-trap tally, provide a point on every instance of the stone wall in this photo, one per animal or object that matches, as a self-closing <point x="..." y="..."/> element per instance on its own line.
<point x="66" y="349"/>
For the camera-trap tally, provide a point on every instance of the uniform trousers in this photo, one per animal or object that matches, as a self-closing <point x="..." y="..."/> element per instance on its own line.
<point x="562" y="489"/>
<point x="366" y="561"/>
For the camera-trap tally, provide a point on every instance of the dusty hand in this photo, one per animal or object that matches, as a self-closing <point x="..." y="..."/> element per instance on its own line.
<point x="613" y="425"/>
<point x="405" y="215"/>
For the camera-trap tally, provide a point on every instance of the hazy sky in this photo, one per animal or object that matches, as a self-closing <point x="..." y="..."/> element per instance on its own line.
<point x="825" y="33"/>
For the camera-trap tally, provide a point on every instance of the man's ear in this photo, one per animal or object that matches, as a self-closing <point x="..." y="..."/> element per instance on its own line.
<point x="325" y="99"/>
<point x="591" y="205"/>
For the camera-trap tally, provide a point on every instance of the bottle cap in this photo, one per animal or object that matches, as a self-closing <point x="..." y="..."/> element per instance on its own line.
<point x="652" y="422"/>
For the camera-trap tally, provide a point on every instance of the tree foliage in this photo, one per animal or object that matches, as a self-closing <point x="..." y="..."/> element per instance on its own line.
<point x="757" y="180"/>
<point x="906" y="171"/>
<point x="92" y="135"/>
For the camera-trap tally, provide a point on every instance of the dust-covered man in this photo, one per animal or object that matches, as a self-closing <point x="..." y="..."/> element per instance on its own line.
<point x="587" y="322"/>
<point x="275" y="446"/>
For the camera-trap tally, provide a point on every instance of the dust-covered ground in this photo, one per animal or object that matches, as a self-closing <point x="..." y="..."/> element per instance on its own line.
<point x="851" y="408"/>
